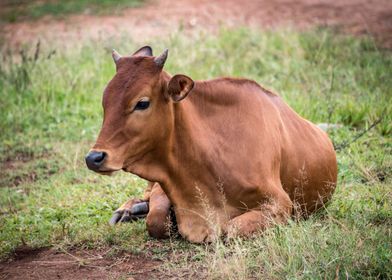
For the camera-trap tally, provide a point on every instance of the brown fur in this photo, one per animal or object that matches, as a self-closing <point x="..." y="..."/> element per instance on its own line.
<point x="230" y="158"/>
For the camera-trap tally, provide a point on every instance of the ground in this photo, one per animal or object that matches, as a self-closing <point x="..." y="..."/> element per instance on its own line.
<point x="161" y="17"/>
<point x="52" y="229"/>
<point x="76" y="264"/>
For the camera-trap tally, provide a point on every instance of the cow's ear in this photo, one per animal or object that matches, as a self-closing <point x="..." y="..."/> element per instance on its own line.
<point x="143" y="51"/>
<point x="179" y="87"/>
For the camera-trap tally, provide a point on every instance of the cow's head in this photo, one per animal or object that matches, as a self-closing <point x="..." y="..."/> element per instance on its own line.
<point x="138" y="111"/>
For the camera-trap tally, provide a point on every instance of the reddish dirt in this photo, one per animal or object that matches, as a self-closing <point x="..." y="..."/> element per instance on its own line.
<point x="161" y="17"/>
<point x="40" y="264"/>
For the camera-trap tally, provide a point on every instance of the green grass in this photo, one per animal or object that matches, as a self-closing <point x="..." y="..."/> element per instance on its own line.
<point x="50" y="114"/>
<point x="30" y="10"/>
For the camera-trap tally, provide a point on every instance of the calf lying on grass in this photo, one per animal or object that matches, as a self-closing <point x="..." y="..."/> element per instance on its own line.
<point x="228" y="156"/>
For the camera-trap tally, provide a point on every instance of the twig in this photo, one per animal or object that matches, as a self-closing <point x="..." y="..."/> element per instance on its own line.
<point x="37" y="49"/>
<point x="69" y="254"/>
<point x="329" y="98"/>
<point x="346" y="144"/>
<point x="54" y="262"/>
<point x="121" y="260"/>
<point x="99" y="256"/>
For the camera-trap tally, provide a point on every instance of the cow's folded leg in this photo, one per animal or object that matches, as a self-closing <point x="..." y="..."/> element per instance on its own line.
<point x="133" y="209"/>
<point x="159" y="222"/>
<point x="259" y="219"/>
<point x="155" y="206"/>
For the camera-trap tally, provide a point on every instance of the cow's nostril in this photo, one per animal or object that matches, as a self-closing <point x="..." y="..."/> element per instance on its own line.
<point x="99" y="157"/>
<point x="95" y="159"/>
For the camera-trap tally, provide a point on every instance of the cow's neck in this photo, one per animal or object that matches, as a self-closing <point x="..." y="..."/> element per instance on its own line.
<point x="191" y="167"/>
<point x="178" y="164"/>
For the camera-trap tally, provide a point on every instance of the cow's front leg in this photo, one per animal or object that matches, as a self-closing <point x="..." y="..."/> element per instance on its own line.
<point x="155" y="206"/>
<point x="276" y="211"/>
<point x="133" y="209"/>
<point x="159" y="220"/>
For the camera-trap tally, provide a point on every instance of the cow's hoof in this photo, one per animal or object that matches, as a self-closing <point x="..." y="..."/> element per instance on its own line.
<point x="132" y="213"/>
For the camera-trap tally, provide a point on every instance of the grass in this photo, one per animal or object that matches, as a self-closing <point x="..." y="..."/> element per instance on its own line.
<point x="50" y="114"/>
<point x="20" y="10"/>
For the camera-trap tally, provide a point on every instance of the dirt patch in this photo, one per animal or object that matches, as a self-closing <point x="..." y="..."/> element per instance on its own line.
<point x="26" y="168"/>
<point x="77" y="264"/>
<point x="162" y="17"/>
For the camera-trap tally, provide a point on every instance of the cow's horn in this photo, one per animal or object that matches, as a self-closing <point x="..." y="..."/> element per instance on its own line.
<point x="116" y="56"/>
<point x="160" y="60"/>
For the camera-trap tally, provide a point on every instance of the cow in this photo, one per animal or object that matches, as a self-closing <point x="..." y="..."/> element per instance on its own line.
<point x="228" y="156"/>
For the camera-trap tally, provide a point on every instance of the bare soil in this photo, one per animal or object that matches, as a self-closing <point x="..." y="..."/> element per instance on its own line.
<point x="162" y="17"/>
<point x="25" y="167"/>
<point x="40" y="264"/>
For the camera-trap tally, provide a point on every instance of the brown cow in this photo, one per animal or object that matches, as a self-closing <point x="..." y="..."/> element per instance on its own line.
<point x="229" y="156"/>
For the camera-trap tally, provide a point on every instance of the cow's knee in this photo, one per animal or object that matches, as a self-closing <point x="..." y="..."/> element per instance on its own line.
<point x="158" y="225"/>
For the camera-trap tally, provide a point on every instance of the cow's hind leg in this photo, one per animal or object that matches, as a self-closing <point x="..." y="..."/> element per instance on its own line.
<point x="259" y="219"/>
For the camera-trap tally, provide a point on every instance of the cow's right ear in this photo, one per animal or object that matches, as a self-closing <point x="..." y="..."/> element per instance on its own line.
<point x="179" y="87"/>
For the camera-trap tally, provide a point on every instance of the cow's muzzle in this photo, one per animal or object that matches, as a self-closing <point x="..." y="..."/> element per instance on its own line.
<point x="95" y="160"/>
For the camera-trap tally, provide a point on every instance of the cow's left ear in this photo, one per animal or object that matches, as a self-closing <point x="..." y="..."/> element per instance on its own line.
<point x="143" y="51"/>
<point x="179" y="87"/>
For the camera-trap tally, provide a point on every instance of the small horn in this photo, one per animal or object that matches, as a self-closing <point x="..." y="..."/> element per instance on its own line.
<point x="160" y="60"/>
<point x="116" y="56"/>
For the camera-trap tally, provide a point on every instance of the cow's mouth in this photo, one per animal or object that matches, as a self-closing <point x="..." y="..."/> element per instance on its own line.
<point x="106" y="172"/>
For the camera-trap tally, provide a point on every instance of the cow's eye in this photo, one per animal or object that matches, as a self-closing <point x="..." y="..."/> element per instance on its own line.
<point x="142" y="105"/>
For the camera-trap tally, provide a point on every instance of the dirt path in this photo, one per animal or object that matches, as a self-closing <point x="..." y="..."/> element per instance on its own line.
<point x="161" y="17"/>
<point x="40" y="264"/>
